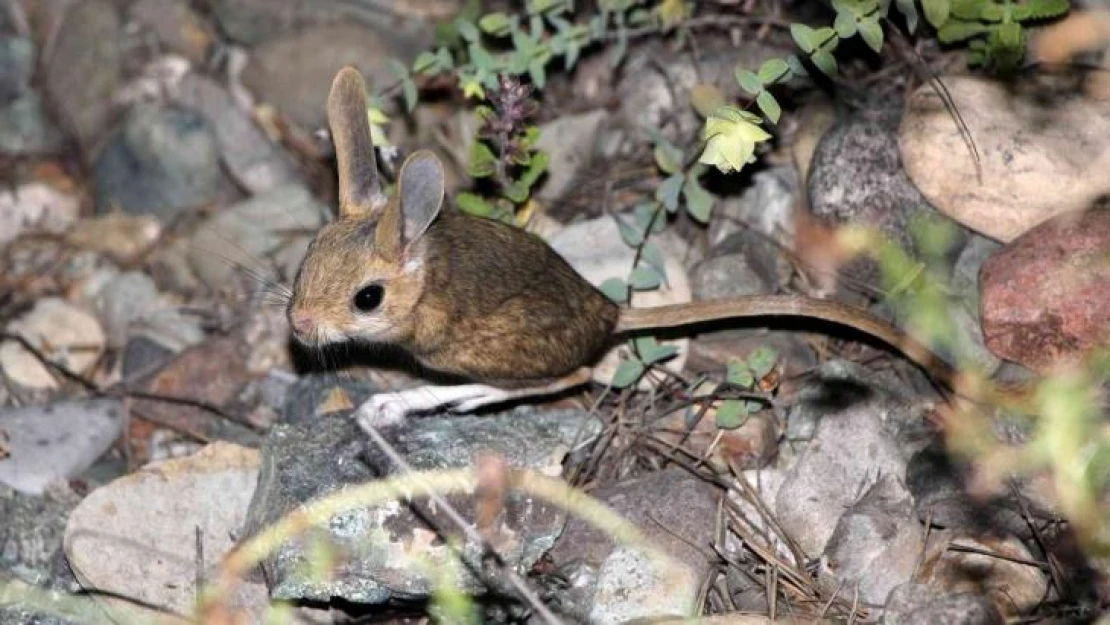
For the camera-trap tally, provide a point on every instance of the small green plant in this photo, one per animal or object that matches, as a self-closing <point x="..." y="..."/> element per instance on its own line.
<point x="994" y="31"/>
<point x="745" y="375"/>
<point x="505" y="152"/>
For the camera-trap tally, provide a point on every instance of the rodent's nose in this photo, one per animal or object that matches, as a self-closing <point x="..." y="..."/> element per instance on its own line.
<point x="302" y="322"/>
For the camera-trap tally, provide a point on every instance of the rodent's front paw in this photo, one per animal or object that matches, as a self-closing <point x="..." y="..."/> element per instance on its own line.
<point x="382" y="410"/>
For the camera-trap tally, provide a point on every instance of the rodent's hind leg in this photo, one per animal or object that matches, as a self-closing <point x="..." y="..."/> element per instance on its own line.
<point x="498" y="395"/>
<point x="387" y="409"/>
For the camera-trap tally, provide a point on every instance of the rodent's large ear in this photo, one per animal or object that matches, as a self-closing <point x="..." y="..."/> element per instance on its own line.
<point x="360" y="190"/>
<point x="420" y="190"/>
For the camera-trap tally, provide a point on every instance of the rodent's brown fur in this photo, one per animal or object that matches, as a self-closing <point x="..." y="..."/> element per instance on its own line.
<point x="481" y="299"/>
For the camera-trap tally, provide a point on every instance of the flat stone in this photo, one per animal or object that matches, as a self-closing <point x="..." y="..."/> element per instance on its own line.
<point x="251" y="158"/>
<point x="569" y="143"/>
<point x="854" y="443"/>
<point x="56" y="442"/>
<point x="1041" y="153"/>
<point x="180" y="29"/>
<point x="378" y="548"/>
<point x="876" y="544"/>
<point x="254" y="21"/>
<point x="66" y="334"/>
<point x="36" y="206"/>
<point x="293" y="72"/>
<point x="616" y="583"/>
<point x="161" y="162"/>
<point x="83" y="71"/>
<point x="1046" y="294"/>
<point x="242" y="235"/>
<point x="138" y="535"/>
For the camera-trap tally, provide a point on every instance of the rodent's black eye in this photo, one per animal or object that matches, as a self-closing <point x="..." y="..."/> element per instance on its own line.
<point x="369" y="297"/>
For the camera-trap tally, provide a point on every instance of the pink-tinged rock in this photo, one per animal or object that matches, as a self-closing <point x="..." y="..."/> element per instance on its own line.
<point x="1046" y="295"/>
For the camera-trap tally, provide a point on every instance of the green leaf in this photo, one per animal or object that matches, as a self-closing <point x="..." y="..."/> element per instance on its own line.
<point x="762" y="360"/>
<point x="825" y="38"/>
<point x="773" y="70"/>
<point x="539" y="163"/>
<point x="425" y="62"/>
<point x="516" y="192"/>
<point x="825" y="62"/>
<point x="627" y="373"/>
<point x="845" y="25"/>
<point x="872" y="34"/>
<point x="468" y="31"/>
<point x="699" y="202"/>
<point x="769" y="106"/>
<point x="537" y="72"/>
<point x="649" y="217"/>
<point x="645" y="278"/>
<point x="667" y="192"/>
<point x="572" y="52"/>
<point x="496" y="24"/>
<point x="803" y="36"/>
<point x="397" y="68"/>
<point x="482" y="160"/>
<point x="959" y="30"/>
<point x="446" y="63"/>
<point x="652" y="255"/>
<point x="748" y="81"/>
<point x="480" y="58"/>
<point x="621" y="48"/>
<point x="796" y="66"/>
<point x="667" y="156"/>
<point x="908" y="9"/>
<point x="992" y="12"/>
<point x="1040" y="9"/>
<point x="473" y="204"/>
<point x="731" y="414"/>
<point x="739" y="374"/>
<point x="651" y="351"/>
<point x="731" y="135"/>
<point x="936" y="11"/>
<point x="408" y="90"/>
<point x="965" y="9"/>
<point x="615" y="289"/>
<point x="630" y="234"/>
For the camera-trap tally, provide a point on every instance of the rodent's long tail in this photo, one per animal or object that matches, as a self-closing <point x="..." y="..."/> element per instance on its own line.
<point x="677" y="315"/>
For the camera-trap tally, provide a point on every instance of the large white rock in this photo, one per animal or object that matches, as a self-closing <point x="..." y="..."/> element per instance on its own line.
<point x="1041" y="154"/>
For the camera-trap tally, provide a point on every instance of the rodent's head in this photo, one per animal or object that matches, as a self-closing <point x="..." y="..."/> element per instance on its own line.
<point x="364" y="273"/>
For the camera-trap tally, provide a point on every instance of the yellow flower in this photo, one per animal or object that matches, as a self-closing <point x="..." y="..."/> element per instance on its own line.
<point x="731" y="136"/>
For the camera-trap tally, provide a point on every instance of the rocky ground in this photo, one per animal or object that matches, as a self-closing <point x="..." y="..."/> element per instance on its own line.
<point x="165" y="163"/>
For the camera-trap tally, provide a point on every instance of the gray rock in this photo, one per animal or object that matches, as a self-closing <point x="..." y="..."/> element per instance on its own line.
<point x="744" y="264"/>
<point x="569" y="142"/>
<point x="919" y="604"/>
<point x="139" y="535"/>
<point x="876" y="545"/>
<point x="56" y="442"/>
<point x="31" y="549"/>
<point x="858" y="439"/>
<point x="856" y="178"/>
<point x="179" y="29"/>
<point x="25" y="128"/>
<point x="766" y="206"/>
<point x="294" y="72"/>
<point x="162" y="161"/>
<point x="254" y="21"/>
<point x="245" y="234"/>
<point x="124" y="299"/>
<point x="385" y="543"/>
<point x="613" y="583"/>
<point x="83" y="71"/>
<point x="17" y="65"/>
<point x="939" y="487"/>
<point x="251" y="158"/>
<point x="142" y="356"/>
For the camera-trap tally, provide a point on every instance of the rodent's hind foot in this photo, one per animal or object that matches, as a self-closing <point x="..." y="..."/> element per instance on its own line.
<point x="382" y="410"/>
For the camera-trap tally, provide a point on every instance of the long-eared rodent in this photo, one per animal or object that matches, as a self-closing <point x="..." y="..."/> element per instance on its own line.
<point x="477" y="298"/>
